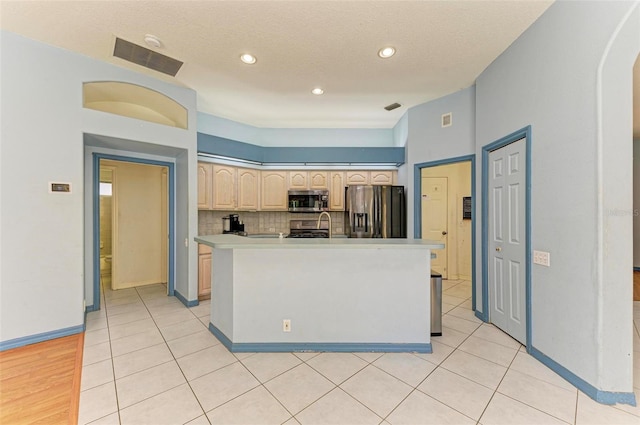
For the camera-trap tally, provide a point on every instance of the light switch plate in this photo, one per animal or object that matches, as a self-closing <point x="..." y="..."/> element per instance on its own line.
<point x="542" y="258"/>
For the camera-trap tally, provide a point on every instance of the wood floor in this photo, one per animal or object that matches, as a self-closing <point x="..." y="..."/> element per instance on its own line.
<point x="636" y="286"/>
<point x="40" y="383"/>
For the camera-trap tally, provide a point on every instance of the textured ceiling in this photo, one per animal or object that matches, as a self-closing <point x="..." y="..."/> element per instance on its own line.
<point x="442" y="46"/>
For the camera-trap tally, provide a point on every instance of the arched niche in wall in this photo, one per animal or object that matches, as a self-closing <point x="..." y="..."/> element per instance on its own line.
<point x="133" y="101"/>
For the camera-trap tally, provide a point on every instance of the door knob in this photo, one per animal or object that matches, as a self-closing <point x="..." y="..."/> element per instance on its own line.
<point x="444" y="232"/>
<point x="498" y="249"/>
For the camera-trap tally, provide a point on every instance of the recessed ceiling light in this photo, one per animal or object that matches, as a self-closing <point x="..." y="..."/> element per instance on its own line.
<point x="152" y="41"/>
<point x="386" y="52"/>
<point x="317" y="91"/>
<point x="248" y="59"/>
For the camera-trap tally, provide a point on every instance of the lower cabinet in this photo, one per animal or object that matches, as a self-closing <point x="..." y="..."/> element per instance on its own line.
<point x="204" y="272"/>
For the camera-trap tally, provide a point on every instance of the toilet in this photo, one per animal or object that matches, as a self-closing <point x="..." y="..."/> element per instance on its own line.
<point x="105" y="265"/>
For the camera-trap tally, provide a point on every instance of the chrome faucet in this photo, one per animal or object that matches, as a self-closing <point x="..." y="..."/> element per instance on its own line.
<point x="320" y="219"/>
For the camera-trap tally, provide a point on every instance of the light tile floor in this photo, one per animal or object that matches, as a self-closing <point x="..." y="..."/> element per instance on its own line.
<point x="150" y="360"/>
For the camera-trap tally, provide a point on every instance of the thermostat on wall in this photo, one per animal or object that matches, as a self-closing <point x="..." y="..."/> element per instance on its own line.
<point x="59" y="187"/>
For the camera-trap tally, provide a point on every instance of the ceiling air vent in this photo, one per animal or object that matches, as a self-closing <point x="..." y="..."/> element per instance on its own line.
<point x="392" y="106"/>
<point x="145" y="57"/>
<point x="447" y="120"/>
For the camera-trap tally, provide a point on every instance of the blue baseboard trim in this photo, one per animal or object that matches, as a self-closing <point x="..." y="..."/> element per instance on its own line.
<point x="604" y="397"/>
<point x="221" y="336"/>
<point x="184" y="301"/>
<point x="45" y="336"/>
<point x="332" y="347"/>
<point x="636" y="269"/>
<point x="89" y="309"/>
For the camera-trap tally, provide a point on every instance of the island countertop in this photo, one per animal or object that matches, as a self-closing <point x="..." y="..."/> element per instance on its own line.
<point x="240" y="242"/>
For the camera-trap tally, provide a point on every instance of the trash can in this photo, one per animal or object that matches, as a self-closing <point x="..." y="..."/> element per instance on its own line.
<point x="436" y="304"/>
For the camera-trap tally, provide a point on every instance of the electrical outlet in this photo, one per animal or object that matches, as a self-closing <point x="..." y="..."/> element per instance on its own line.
<point x="286" y="325"/>
<point x="542" y="258"/>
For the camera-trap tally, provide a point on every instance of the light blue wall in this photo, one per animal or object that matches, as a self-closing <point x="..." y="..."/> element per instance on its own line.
<point x="401" y="131"/>
<point x="285" y="137"/>
<point x="569" y="77"/>
<point x="428" y="141"/>
<point x="44" y="239"/>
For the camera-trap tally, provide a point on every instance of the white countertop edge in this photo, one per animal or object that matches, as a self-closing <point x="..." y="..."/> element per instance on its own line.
<point x="241" y="242"/>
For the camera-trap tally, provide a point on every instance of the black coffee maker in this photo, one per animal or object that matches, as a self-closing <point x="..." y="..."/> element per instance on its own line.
<point x="235" y="225"/>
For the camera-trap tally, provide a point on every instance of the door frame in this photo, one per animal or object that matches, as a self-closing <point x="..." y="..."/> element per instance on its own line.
<point x="486" y="150"/>
<point x="417" y="208"/>
<point x="96" y="219"/>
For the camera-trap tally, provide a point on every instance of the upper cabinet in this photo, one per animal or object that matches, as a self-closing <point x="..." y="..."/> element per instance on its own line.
<point x="357" y="177"/>
<point x="376" y="177"/>
<point x="302" y="180"/>
<point x="336" y="191"/>
<point x="228" y="188"/>
<point x="248" y="189"/>
<point x="224" y="187"/>
<point x="318" y="180"/>
<point x="273" y="190"/>
<point x="298" y="180"/>
<point x="382" y="177"/>
<point x="204" y="185"/>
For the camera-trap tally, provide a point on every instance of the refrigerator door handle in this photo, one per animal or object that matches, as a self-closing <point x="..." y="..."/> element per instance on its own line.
<point x="379" y="223"/>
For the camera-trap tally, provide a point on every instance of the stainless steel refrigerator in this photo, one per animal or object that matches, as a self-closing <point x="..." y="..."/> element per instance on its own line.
<point x="375" y="212"/>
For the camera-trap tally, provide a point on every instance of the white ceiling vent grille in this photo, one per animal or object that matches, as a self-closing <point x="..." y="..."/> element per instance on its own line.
<point x="447" y="120"/>
<point x="148" y="58"/>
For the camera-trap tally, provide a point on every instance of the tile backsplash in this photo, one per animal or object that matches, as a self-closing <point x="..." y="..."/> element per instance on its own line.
<point x="210" y="222"/>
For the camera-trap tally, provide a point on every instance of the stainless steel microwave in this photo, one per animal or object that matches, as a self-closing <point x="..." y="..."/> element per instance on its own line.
<point x="308" y="201"/>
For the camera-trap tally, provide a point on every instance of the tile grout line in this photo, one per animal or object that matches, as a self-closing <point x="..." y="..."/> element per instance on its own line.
<point x="175" y="360"/>
<point x="496" y="390"/>
<point x="112" y="357"/>
<point x="113" y="371"/>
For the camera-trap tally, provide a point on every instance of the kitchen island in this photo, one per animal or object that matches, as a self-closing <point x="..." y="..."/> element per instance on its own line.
<point x="320" y="294"/>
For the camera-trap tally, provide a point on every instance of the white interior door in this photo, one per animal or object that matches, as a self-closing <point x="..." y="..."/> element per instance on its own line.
<point x="506" y="233"/>
<point x="140" y="226"/>
<point x="434" y="219"/>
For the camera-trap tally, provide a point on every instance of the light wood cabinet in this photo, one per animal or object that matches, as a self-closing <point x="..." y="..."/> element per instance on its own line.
<point x="235" y="189"/>
<point x="273" y="191"/>
<point x="248" y="189"/>
<point x="336" y="191"/>
<point x="224" y="187"/>
<point x="302" y="180"/>
<point x="357" y="177"/>
<point x="376" y="177"/>
<point x="298" y="180"/>
<point x="318" y="180"/>
<point x="228" y="188"/>
<point x="204" y="185"/>
<point x="204" y="272"/>
<point x="382" y="177"/>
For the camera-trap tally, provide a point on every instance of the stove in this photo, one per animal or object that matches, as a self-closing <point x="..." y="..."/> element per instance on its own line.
<point x="305" y="234"/>
<point x="308" y="229"/>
